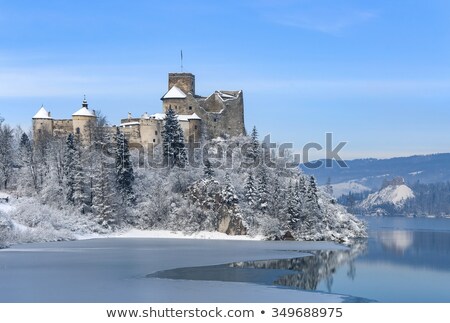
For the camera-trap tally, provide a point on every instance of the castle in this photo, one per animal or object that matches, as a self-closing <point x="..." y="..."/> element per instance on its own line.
<point x="219" y="115"/>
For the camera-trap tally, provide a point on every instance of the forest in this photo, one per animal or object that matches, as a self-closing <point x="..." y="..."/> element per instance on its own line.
<point x="60" y="189"/>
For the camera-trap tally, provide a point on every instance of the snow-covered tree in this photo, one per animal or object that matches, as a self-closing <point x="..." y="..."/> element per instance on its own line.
<point x="6" y="154"/>
<point x="312" y="222"/>
<point x="74" y="173"/>
<point x="104" y="204"/>
<point x="329" y="187"/>
<point x="293" y="210"/>
<point x="251" y="194"/>
<point x="255" y="147"/>
<point x="124" y="169"/>
<point x="71" y="165"/>
<point x="173" y="141"/>
<point x="276" y="199"/>
<point x="229" y="193"/>
<point x="263" y="188"/>
<point x="27" y="177"/>
<point x="208" y="170"/>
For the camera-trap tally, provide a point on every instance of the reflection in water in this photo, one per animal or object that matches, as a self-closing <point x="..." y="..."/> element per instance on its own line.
<point x="396" y="241"/>
<point x="304" y="273"/>
<point x="311" y="270"/>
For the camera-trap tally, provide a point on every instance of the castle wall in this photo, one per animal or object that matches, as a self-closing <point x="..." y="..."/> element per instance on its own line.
<point x="195" y="131"/>
<point x="132" y="133"/>
<point x="150" y="131"/>
<point x="222" y="118"/>
<point x="189" y="105"/>
<point x="62" y="127"/>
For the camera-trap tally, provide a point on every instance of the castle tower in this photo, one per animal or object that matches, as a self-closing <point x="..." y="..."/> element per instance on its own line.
<point x="184" y="81"/>
<point x="83" y="122"/>
<point x="180" y="96"/>
<point x="42" y="124"/>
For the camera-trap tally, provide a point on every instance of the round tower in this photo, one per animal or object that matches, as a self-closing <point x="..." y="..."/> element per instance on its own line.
<point x="83" y="123"/>
<point x="42" y="124"/>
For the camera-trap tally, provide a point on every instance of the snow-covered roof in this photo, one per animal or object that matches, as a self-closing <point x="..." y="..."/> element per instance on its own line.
<point x="174" y="93"/>
<point x="42" y="114"/>
<point x="158" y="116"/>
<point x="181" y="117"/>
<point x="84" y="112"/>
<point x="127" y="124"/>
<point x="228" y="95"/>
<point x="187" y="117"/>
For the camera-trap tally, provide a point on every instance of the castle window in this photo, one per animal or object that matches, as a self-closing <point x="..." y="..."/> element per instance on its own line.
<point x="190" y="108"/>
<point x="215" y="120"/>
<point x="40" y="131"/>
<point x="195" y="127"/>
<point x="78" y="131"/>
<point x="154" y="140"/>
<point x="156" y="133"/>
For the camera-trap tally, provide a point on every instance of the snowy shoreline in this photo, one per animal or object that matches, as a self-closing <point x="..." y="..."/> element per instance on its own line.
<point x="167" y="234"/>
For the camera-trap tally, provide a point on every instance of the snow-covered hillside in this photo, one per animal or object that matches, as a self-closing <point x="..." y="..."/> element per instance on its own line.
<point x="340" y="189"/>
<point x="397" y="195"/>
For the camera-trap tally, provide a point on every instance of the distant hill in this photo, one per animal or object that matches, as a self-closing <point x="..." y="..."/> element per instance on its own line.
<point x="372" y="172"/>
<point x="396" y="195"/>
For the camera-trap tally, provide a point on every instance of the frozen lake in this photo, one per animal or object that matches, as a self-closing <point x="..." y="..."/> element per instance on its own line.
<point x="404" y="260"/>
<point x="115" y="270"/>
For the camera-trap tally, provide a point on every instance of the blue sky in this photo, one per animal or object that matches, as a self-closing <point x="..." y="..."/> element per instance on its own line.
<point x="375" y="73"/>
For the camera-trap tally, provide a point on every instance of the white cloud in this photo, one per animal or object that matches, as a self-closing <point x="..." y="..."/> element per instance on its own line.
<point x="323" y="22"/>
<point x="63" y="81"/>
<point x="345" y="87"/>
<point x="326" y="16"/>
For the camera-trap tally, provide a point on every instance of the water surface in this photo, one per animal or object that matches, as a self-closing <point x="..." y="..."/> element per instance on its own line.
<point x="404" y="260"/>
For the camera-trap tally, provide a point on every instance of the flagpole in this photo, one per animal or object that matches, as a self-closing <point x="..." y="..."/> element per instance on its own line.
<point x="181" y="60"/>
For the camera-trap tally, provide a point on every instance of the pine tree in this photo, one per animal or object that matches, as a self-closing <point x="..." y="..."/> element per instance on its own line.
<point x="251" y="194"/>
<point x="7" y="155"/>
<point x="208" y="171"/>
<point x="229" y="192"/>
<point x="27" y="176"/>
<point x="312" y="191"/>
<point x="255" y="148"/>
<point x="70" y="168"/>
<point x="329" y="187"/>
<point x="124" y="169"/>
<point x="263" y="189"/>
<point x="25" y="143"/>
<point x="292" y="208"/>
<point x="103" y="201"/>
<point x="312" y="222"/>
<point x="276" y="199"/>
<point x="173" y="141"/>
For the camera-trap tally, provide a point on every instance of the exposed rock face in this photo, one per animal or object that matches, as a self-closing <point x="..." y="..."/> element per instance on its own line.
<point x="207" y="194"/>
